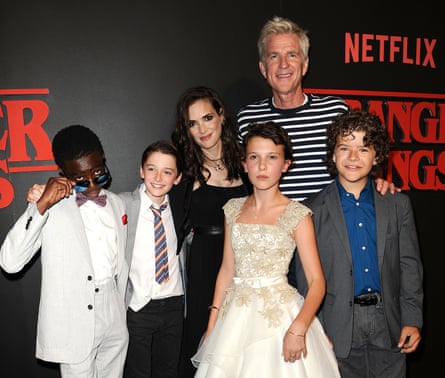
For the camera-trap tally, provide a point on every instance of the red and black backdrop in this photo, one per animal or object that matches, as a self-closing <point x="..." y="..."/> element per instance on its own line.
<point x="119" y="68"/>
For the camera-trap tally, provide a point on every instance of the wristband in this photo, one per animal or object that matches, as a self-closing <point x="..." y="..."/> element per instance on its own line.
<point x="295" y="334"/>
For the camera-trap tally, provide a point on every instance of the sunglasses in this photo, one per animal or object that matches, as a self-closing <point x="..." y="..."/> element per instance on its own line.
<point x="101" y="180"/>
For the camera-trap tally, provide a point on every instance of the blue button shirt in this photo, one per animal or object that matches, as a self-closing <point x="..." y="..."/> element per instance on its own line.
<point x="361" y="225"/>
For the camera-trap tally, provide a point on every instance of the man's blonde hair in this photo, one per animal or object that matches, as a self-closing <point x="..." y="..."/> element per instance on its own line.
<point x="280" y="25"/>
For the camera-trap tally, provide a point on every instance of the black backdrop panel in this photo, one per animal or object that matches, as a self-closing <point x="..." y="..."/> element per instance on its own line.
<point x="119" y="67"/>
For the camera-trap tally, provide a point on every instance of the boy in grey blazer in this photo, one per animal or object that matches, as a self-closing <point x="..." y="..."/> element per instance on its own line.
<point x="80" y="229"/>
<point x="370" y="255"/>
<point x="155" y="310"/>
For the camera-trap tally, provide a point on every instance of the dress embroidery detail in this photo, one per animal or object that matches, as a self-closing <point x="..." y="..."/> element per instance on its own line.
<point x="262" y="254"/>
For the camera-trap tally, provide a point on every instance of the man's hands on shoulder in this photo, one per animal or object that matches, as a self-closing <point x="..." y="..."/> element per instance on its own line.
<point x="383" y="186"/>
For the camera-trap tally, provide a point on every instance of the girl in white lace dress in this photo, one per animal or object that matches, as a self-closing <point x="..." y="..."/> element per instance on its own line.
<point x="259" y="325"/>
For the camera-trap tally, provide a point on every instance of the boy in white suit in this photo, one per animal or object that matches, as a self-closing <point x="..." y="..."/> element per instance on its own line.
<point x="80" y="229"/>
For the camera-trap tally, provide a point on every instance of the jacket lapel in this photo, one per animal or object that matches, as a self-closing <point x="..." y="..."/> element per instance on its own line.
<point x="333" y="205"/>
<point x="121" y="239"/>
<point x="382" y="218"/>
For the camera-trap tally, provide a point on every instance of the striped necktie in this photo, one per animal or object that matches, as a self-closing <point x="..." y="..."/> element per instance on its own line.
<point x="161" y="255"/>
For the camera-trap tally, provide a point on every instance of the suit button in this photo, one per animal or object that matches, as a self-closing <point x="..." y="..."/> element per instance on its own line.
<point x="90" y="307"/>
<point x="89" y="278"/>
<point x="96" y="289"/>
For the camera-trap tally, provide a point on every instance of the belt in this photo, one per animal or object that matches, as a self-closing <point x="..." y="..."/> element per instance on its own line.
<point x="208" y="230"/>
<point x="367" y="299"/>
<point x="163" y="301"/>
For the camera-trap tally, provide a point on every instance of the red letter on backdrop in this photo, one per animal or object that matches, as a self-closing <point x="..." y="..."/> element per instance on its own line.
<point x="19" y="131"/>
<point x="352" y="48"/>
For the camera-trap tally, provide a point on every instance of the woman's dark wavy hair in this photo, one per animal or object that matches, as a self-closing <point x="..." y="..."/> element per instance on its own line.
<point x="376" y="135"/>
<point x="192" y="154"/>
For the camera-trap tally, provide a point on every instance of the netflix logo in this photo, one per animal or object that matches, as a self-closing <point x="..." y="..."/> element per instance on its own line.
<point x="368" y="48"/>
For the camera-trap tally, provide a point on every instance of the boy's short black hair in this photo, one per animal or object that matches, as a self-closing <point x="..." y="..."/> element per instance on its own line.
<point x="164" y="147"/>
<point x="74" y="142"/>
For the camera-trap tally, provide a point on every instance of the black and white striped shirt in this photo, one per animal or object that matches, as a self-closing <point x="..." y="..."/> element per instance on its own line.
<point x="306" y="126"/>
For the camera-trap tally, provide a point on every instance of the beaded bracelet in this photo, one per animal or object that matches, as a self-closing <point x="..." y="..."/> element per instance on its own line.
<point x="213" y="307"/>
<point x="293" y="333"/>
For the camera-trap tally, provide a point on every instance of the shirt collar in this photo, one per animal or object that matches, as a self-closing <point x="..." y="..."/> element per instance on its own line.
<point x="146" y="201"/>
<point x="365" y="194"/>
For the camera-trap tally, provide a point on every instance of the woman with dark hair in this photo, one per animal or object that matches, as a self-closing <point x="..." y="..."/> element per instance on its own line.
<point x="206" y="137"/>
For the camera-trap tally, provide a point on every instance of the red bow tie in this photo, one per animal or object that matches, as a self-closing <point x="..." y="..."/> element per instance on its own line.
<point x="99" y="200"/>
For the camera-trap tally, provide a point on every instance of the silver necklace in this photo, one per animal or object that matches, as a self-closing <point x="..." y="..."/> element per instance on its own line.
<point x="219" y="167"/>
<point x="216" y="164"/>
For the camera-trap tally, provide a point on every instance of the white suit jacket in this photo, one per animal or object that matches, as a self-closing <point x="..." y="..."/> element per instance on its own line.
<point x="65" y="327"/>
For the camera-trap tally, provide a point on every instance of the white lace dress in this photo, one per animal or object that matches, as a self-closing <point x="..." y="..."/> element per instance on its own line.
<point x="260" y="305"/>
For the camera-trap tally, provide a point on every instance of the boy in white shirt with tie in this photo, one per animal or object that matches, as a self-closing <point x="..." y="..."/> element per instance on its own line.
<point x="155" y="300"/>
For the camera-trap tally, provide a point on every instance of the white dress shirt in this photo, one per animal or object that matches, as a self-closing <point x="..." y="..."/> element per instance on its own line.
<point x="142" y="270"/>
<point x="101" y="235"/>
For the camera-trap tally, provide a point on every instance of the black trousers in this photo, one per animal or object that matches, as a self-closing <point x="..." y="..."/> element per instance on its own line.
<point x="155" y="333"/>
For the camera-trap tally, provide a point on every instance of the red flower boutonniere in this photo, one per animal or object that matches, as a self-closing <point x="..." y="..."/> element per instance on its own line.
<point x="124" y="219"/>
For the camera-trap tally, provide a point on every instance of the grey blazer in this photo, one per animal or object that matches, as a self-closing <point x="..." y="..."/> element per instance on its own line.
<point x="65" y="327"/>
<point x="179" y="207"/>
<point x="400" y="266"/>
